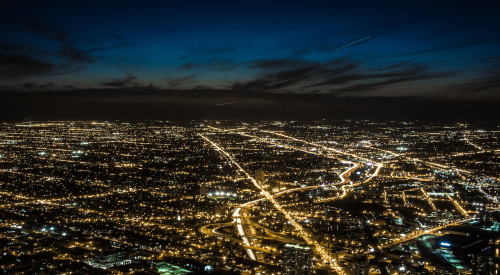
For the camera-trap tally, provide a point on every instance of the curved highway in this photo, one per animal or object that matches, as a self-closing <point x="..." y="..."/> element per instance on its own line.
<point x="244" y="227"/>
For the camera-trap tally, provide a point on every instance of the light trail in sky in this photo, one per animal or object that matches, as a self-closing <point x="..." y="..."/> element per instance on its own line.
<point x="353" y="43"/>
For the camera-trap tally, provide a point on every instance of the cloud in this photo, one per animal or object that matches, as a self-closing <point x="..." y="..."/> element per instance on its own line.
<point x="293" y="74"/>
<point x="18" y="49"/>
<point x="490" y="83"/>
<point x="120" y="83"/>
<point x="396" y="65"/>
<point x="280" y="63"/>
<point x="71" y="87"/>
<point x="281" y="80"/>
<point x="399" y="73"/>
<point x="495" y="59"/>
<point x="213" y="65"/>
<point x="334" y="76"/>
<point x="122" y="43"/>
<point x="70" y="53"/>
<point x="16" y="66"/>
<point x="368" y="87"/>
<point x="489" y="60"/>
<point x="180" y="81"/>
<point x="47" y="86"/>
<point x="189" y="66"/>
<point x="21" y="61"/>
<point x="30" y="86"/>
<point x="458" y="44"/>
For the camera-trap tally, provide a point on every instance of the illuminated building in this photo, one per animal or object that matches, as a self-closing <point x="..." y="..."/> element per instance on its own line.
<point x="109" y="259"/>
<point x="485" y="264"/>
<point x="296" y="260"/>
<point x="358" y="268"/>
<point x="170" y="196"/>
<point x="260" y="176"/>
<point x="168" y="268"/>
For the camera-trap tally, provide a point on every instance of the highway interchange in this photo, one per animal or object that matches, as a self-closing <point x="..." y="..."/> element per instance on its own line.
<point x="246" y="227"/>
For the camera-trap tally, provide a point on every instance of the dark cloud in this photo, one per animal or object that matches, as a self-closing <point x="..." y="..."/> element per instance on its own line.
<point x="293" y="74"/>
<point x="18" y="49"/>
<point x="180" y="81"/>
<point x="368" y="87"/>
<point x="213" y="65"/>
<point x="122" y="43"/>
<point x="281" y="80"/>
<point x="457" y="44"/>
<point x="396" y="65"/>
<point x="490" y="83"/>
<point x="47" y="86"/>
<point x="201" y="87"/>
<point x="280" y="63"/>
<point x="489" y="61"/>
<point x="375" y="81"/>
<point x="28" y="85"/>
<point x="71" y="54"/>
<point x="120" y="83"/>
<point x="189" y="66"/>
<point x="208" y="59"/>
<point x="14" y="67"/>
<point x="340" y="79"/>
<point x="20" y="61"/>
<point x="496" y="58"/>
<point x="338" y="68"/>
<point x="334" y="76"/>
<point x="17" y="66"/>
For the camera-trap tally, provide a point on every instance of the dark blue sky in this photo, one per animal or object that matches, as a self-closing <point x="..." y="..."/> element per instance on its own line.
<point x="423" y="49"/>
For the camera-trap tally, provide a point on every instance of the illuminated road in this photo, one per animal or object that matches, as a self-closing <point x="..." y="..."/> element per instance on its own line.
<point x="428" y="199"/>
<point x="473" y="144"/>
<point x="444" y="167"/>
<point x="319" y="145"/>
<point x="458" y="206"/>
<point x="213" y="232"/>
<point x="245" y="226"/>
<point x="242" y="228"/>
<point x="306" y="236"/>
<point x="416" y="234"/>
<point x="342" y="176"/>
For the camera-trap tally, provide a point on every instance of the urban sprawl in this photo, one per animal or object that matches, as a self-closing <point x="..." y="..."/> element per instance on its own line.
<point x="259" y="197"/>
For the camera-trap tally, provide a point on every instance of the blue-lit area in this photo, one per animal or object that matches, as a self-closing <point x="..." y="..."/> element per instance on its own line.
<point x="171" y="269"/>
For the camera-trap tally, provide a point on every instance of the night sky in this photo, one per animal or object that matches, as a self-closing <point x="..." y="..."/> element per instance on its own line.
<point x="436" y="60"/>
